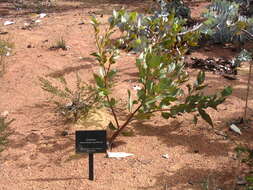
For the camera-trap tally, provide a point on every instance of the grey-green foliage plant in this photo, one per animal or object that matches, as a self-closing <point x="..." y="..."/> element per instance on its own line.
<point x="223" y="22"/>
<point x="165" y="8"/>
<point x="72" y="104"/>
<point x="246" y="7"/>
<point x="161" y="76"/>
<point x="140" y="30"/>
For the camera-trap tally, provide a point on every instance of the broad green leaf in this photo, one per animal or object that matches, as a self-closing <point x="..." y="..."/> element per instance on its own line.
<point x="130" y="102"/>
<point x="167" y="100"/>
<point x="205" y="116"/>
<point x="99" y="81"/>
<point x="97" y="55"/>
<point x="166" y="115"/>
<point x="175" y="110"/>
<point x="155" y="61"/>
<point x="111" y="126"/>
<point x="227" y="91"/>
<point x="112" y="102"/>
<point x="201" y="87"/>
<point x="94" y="21"/>
<point x="103" y="92"/>
<point x="200" y="78"/>
<point x="165" y="84"/>
<point x="112" y="73"/>
<point x="133" y="16"/>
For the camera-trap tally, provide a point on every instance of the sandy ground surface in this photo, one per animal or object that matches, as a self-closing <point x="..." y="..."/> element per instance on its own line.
<point x="38" y="157"/>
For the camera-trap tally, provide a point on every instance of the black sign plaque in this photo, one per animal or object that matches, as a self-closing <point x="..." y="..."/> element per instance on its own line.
<point x="91" y="141"/>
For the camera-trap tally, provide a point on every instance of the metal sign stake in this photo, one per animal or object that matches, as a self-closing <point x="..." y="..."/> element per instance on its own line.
<point x="91" y="166"/>
<point x="91" y="142"/>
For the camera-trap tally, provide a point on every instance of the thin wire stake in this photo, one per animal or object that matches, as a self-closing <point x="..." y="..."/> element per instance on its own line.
<point x="247" y="95"/>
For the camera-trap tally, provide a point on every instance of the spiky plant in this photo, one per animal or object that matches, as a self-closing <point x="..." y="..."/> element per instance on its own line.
<point x="72" y="104"/>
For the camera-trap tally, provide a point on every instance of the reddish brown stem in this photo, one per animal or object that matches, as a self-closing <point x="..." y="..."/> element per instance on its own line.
<point x="113" y="112"/>
<point x="114" y="136"/>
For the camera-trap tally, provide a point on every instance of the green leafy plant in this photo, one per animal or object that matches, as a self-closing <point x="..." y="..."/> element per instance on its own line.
<point x="4" y="124"/>
<point x="249" y="180"/>
<point x="5" y="49"/>
<point x="161" y="73"/>
<point x="72" y="104"/>
<point x="37" y="5"/>
<point x="245" y="155"/>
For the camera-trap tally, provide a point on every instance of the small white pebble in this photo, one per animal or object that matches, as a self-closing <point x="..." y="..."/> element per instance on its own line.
<point x="166" y="156"/>
<point x="42" y="15"/>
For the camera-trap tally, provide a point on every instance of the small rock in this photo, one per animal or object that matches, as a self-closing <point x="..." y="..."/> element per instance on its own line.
<point x="196" y="151"/>
<point x="29" y="46"/>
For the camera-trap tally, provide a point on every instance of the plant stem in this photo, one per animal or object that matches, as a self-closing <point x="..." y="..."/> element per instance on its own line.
<point x="113" y="112"/>
<point x="191" y="30"/>
<point x="248" y="33"/>
<point x="159" y="110"/>
<point x="114" y="136"/>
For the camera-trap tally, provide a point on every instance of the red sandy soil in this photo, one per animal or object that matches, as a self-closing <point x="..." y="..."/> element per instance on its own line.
<point x="38" y="157"/>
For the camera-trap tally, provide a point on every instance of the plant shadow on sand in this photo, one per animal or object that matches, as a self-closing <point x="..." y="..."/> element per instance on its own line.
<point x="44" y="139"/>
<point x="192" y="178"/>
